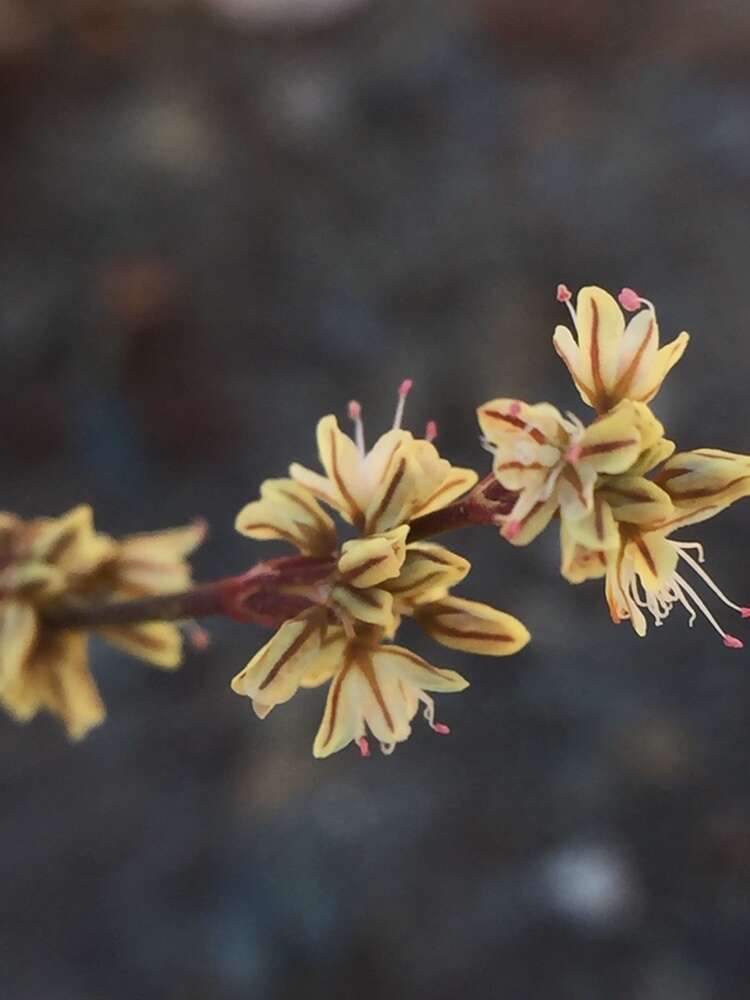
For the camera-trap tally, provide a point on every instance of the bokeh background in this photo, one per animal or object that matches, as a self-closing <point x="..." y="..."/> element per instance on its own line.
<point x="222" y="219"/>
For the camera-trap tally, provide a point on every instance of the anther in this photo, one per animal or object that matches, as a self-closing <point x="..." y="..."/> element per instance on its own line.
<point x="732" y="642"/>
<point x="431" y="430"/>
<point x="630" y="300"/>
<point x="199" y="637"/>
<point x="355" y="414"/>
<point x="511" y="529"/>
<point x="440" y="727"/>
<point x="403" y="391"/>
<point x="364" y="747"/>
<point x="574" y="453"/>
<point x="564" y="294"/>
<point x="745" y="612"/>
<point x="515" y="409"/>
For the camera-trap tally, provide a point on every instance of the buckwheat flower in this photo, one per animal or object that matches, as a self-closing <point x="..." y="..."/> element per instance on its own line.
<point x="706" y="476"/>
<point x="52" y="564"/>
<point x="359" y="590"/>
<point x="649" y="571"/>
<point x="553" y="461"/>
<point x="397" y="480"/>
<point x="608" y="360"/>
<point x="380" y="690"/>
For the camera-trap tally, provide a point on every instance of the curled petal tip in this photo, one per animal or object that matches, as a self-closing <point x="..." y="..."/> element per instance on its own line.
<point x="564" y="294"/>
<point x="629" y="300"/>
<point x="732" y="642"/>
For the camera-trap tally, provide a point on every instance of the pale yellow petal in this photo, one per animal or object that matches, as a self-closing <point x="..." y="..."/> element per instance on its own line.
<point x="650" y="382"/>
<point x="275" y="672"/>
<point x="156" y="562"/>
<point x="367" y="562"/>
<point x="577" y="364"/>
<point x="613" y="442"/>
<point x="342" y="720"/>
<point x="600" y="330"/>
<point x="392" y="502"/>
<point x="373" y="606"/>
<point x="704" y="477"/>
<point x="416" y="671"/>
<point x="596" y="530"/>
<point x="654" y="559"/>
<point x="289" y="512"/>
<point x="473" y="627"/>
<point x="578" y="562"/>
<point x="18" y="634"/>
<point x="158" y="643"/>
<point x="429" y="571"/>
<point x="635" y="500"/>
<point x="343" y="464"/>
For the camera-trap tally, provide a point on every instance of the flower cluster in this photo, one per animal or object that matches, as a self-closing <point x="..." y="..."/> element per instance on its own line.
<point x="49" y="565"/>
<point x="616" y="487"/>
<point x="363" y="587"/>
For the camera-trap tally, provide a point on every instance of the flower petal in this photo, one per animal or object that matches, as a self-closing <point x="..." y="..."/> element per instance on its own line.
<point x="416" y="671"/>
<point x="156" y="562"/>
<point x="635" y="500"/>
<point x="428" y="573"/>
<point x="650" y="382"/>
<point x="18" y="634"/>
<point x="654" y="559"/>
<point x="613" y="442"/>
<point x="392" y="501"/>
<point x="596" y="531"/>
<point x="275" y="672"/>
<point x="343" y="464"/>
<point x="70" y="542"/>
<point x="342" y="720"/>
<point x="704" y="477"/>
<point x="288" y="511"/>
<point x="367" y="562"/>
<point x="578" y="562"/>
<point x="373" y="606"/>
<point x="473" y="627"/>
<point x="158" y="643"/>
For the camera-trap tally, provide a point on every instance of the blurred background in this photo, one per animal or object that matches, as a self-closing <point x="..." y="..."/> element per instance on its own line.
<point x="220" y="220"/>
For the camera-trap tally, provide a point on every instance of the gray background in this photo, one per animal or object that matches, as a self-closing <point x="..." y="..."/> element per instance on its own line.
<point x="214" y="230"/>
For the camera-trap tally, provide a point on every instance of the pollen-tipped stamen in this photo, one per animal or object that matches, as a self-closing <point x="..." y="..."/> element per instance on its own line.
<point x="364" y="747"/>
<point x="729" y="640"/>
<point x="697" y="568"/>
<point x="355" y="415"/>
<point x="429" y="715"/>
<point x="403" y="391"/>
<point x="431" y="431"/>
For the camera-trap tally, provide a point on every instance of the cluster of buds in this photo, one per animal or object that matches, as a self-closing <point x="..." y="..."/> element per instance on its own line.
<point x="615" y="487"/>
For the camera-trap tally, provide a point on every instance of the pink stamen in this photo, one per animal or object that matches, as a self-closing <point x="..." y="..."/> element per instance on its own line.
<point x="405" y="388"/>
<point x="431" y="430"/>
<point x="403" y="391"/>
<point x="199" y="637"/>
<point x="364" y="746"/>
<point x="440" y="727"/>
<point x="745" y="612"/>
<point x="512" y="528"/>
<point x="732" y="642"/>
<point x="630" y="300"/>
<point x="515" y="409"/>
<point x="574" y="453"/>
<point x="355" y="410"/>
<point x="564" y="294"/>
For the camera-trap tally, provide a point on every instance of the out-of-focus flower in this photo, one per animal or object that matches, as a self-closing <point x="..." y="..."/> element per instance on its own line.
<point x="554" y="461"/>
<point x="610" y="362"/>
<point x="49" y="564"/>
<point x="365" y="587"/>
<point x="280" y="13"/>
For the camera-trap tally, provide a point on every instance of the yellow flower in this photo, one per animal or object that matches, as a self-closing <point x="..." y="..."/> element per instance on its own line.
<point x="608" y="361"/>
<point x="360" y="590"/>
<point x="397" y="480"/>
<point x="49" y="564"/>
<point x="706" y="476"/>
<point x="380" y="689"/>
<point x="554" y="462"/>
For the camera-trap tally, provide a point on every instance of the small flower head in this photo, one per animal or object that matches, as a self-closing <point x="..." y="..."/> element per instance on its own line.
<point x="608" y="360"/>
<point x="49" y="564"/>
<point x="553" y="461"/>
<point x="355" y="603"/>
